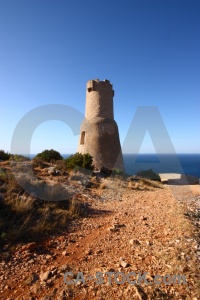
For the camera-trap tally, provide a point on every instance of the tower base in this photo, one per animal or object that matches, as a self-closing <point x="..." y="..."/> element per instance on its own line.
<point x="100" y="138"/>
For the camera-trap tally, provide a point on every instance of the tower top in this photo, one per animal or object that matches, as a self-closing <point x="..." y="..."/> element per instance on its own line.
<point x="99" y="81"/>
<point x="99" y="99"/>
<point x="97" y="85"/>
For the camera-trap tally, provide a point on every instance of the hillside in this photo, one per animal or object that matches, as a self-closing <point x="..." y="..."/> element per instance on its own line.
<point x="125" y="227"/>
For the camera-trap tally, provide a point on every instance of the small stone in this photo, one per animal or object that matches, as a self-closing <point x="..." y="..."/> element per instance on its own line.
<point x="31" y="261"/>
<point x="90" y="252"/>
<point x="48" y="257"/>
<point x="35" y="288"/>
<point x="45" y="276"/>
<point x="7" y="287"/>
<point x="117" y="225"/>
<point x="124" y="264"/>
<point x="64" y="268"/>
<point x="54" y="271"/>
<point x="186" y="269"/>
<point x="27" y="254"/>
<point x="113" y="229"/>
<point x="50" y="283"/>
<point x="149" y="243"/>
<point x="30" y="246"/>
<point x="134" y="242"/>
<point x="31" y="279"/>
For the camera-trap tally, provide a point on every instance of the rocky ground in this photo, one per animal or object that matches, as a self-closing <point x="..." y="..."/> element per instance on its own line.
<point x="124" y="230"/>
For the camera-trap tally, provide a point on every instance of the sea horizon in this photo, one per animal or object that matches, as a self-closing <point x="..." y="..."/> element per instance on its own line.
<point x="182" y="163"/>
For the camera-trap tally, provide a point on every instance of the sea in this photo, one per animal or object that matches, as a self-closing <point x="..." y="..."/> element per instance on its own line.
<point x="160" y="163"/>
<point x="163" y="163"/>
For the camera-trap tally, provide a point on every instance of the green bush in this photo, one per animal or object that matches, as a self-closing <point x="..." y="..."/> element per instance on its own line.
<point x="79" y="160"/>
<point x="4" y="155"/>
<point x="149" y="174"/>
<point x="117" y="172"/>
<point x="48" y="155"/>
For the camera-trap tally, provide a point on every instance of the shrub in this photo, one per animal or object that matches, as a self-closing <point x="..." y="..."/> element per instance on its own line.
<point x="117" y="172"/>
<point x="3" y="175"/>
<point x="4" y="155"/>
<point x="39" y="162"/>
<point x="48" y="155"/>
<point x="61" y="166"/>
<point x="79" y="160"/>
<point x="18" y="157"/>
<point x="149" y="174"/>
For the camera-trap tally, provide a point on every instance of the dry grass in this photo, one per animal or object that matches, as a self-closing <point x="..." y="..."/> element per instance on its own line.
<point x="24" y="217"/>
<point x="118" y="184"/>
<point x="103" y="185"/>
<point x="144" y="184"/>
<point x="61" y="166"/>
<point x="95" y="183"/>
<point x="20" y="221"/>
<point x="151" y="183"/>
<point x="138" y="186"/>
<point x="20" y="203"/>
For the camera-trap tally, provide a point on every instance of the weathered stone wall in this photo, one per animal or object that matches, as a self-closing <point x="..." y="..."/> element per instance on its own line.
<point x="99" y="99"/>
<point x="99" y="131"/>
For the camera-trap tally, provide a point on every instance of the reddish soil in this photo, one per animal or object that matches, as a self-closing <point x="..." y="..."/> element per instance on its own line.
<point x="151" y="231"/>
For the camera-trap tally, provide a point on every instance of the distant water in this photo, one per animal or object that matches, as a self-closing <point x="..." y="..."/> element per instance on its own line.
<point x="161" y="163"/>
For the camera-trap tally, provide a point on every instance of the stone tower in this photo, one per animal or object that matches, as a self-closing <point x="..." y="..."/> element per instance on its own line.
<point x="99" y="132"/>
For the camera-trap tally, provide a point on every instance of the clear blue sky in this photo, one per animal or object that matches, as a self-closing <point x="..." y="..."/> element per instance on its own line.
<point x="149" y="50"/>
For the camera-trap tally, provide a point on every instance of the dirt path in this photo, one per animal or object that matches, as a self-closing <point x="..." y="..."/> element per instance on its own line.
<point x="135" y="231"/>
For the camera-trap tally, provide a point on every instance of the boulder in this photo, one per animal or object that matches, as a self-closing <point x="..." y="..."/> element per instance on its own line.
<point x="51" y="170"/>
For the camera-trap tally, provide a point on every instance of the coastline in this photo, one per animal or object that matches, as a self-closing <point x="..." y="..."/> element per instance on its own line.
<point x="179" y="179"/>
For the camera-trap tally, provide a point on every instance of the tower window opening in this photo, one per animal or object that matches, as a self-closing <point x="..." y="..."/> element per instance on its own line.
<point x="82" y="137"/>
<point x="89" y="89"/>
